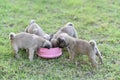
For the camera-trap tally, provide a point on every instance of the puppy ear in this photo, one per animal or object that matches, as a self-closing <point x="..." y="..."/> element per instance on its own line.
<point x="60" y="40"/>
<point x="62" y="43"/>
<point x="51" y="36"/>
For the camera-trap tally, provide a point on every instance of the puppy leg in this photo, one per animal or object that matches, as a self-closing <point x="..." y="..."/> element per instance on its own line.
<point x="27" y="50"/>
<point x="71" y="54"/>
<point x="31" y="54"/>
<point x="92" y="59"/>
<point x="100" y="56"/>
<point x="16" y="51"/>
<point x="75" y="34"/>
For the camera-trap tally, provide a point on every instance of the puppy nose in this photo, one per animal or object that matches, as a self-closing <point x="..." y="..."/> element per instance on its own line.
<point x="47" y="46"/>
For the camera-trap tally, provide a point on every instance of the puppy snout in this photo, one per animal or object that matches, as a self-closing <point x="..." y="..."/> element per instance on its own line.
<point x="47" y="46"/>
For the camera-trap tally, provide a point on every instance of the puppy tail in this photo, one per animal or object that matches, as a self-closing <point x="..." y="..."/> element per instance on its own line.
<point x="92" y="43"/>
<point x="70" y="24"/>
<point x="32" y="21"/>
<point x="11" y="36"/>
<point x="97" y="52"/>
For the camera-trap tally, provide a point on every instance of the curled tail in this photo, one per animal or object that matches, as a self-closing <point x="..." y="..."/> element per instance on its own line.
<point x="32" y="21"/>
<point x="92" y="43"/>
<point x="11" y="36"/>
<point x="69" y="24"/>
<point x="97" y="52"/>
<point x="75" y="35"/>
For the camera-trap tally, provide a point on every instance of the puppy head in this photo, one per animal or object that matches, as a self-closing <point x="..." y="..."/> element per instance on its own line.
<point x="47" y="44"/>
<point x="62" y="41"/>
<point x="54" y="43"/>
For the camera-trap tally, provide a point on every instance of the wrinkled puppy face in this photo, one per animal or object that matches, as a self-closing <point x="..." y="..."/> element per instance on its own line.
<point x="62" y="43"/>
<point x="47" y="44"/>
<point x="54" y="43"/>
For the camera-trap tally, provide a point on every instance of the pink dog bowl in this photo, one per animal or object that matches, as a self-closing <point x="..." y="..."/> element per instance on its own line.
<point x="49" y="53"/>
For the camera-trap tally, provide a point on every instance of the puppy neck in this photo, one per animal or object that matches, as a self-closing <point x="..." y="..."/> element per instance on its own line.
<point x="71" y="41"/>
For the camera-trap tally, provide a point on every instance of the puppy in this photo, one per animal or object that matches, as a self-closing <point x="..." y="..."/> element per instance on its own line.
<point x="68" y="28"/>
<point x="28" y="41"/>
<point x="96" y="50"/>
<point x="77" y="46"/>
<point x="34" y="28"/>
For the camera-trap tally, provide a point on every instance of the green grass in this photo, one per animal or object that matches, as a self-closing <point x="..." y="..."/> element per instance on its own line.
<point x="93" y="19"/>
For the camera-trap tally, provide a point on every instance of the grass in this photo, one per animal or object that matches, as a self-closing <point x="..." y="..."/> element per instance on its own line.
<point x="93" y="19"/>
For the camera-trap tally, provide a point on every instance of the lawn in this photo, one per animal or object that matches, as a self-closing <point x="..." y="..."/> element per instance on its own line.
<point x="93" y="19"/>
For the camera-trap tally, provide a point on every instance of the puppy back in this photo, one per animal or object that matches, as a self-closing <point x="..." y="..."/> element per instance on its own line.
<point x="11" y="36"/>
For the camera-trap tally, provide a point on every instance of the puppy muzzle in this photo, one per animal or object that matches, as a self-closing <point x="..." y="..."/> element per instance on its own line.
<point x="47" y="46"/>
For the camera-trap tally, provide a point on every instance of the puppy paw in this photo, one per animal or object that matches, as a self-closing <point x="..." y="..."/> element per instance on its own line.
<point x="17" y="56"/>
<point x="30" y="59"/>
<point x="67" y="59"/>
